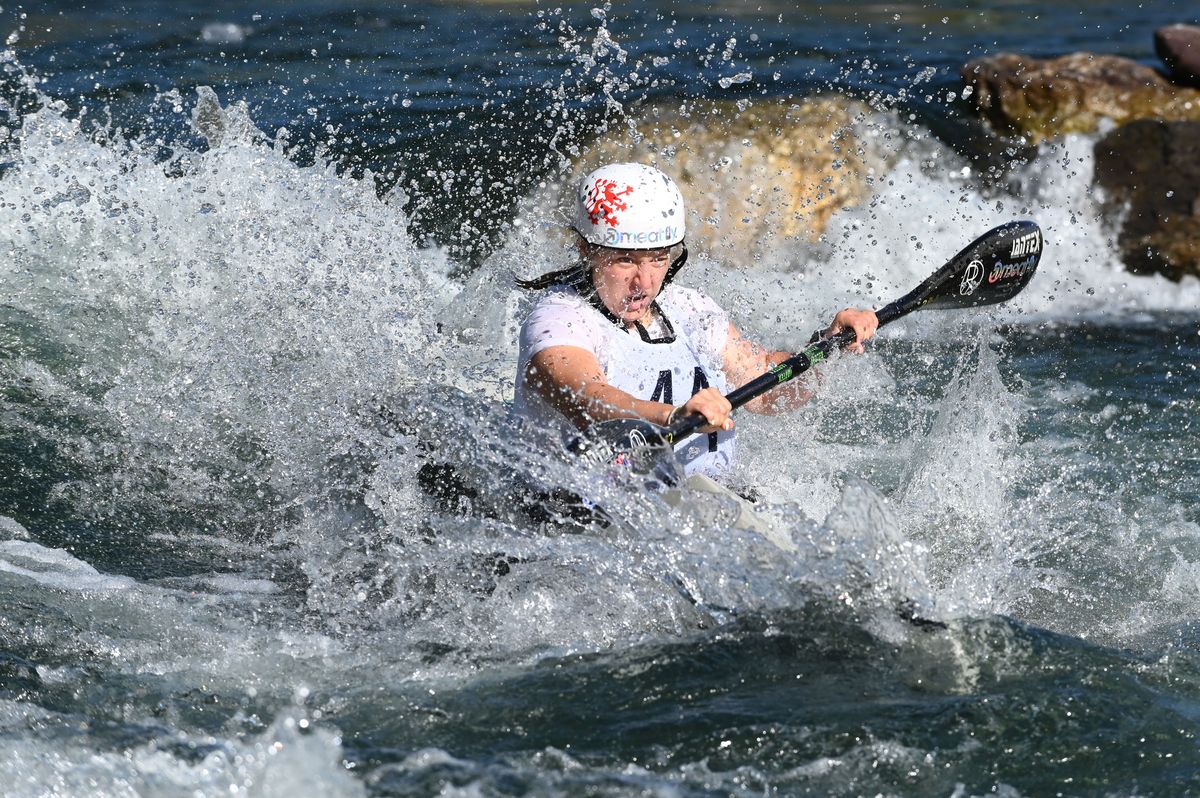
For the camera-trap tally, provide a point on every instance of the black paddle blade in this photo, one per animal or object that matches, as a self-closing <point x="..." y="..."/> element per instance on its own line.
<point x="991" y="269"/>
<point x="631" y="442"/>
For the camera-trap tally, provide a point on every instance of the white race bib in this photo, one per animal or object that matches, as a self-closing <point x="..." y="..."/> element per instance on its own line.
<point x="659" y="370"/>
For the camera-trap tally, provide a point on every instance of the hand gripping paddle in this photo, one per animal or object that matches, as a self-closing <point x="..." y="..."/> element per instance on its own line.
<point x="991" y="269"/>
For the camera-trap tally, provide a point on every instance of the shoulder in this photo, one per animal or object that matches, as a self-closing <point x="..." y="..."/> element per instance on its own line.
<point x="560" y="317"/>
<point x="559" y="297"/>
<point x="693" y="304"/>
<point x="560" y="304"/>
<point x="698" y="316"/>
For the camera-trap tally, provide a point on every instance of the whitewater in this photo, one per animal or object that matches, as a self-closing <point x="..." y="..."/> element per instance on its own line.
<point x="225" y="356"/>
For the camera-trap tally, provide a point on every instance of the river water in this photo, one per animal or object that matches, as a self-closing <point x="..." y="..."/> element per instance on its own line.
<point x="256" y="271"/>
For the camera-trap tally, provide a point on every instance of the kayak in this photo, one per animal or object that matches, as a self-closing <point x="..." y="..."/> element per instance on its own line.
<point x="452" y="492"/>
<point x="453" y="488"/>
<point x="747" y="517"/>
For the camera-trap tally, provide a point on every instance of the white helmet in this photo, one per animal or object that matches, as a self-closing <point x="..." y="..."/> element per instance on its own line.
<point x="629" y="206"/>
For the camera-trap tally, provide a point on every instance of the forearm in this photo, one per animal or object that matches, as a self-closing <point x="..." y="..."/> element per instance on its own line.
<point x="788" y="396"/>
<point x="571" y="381"/>
<point x="601" y="402"/>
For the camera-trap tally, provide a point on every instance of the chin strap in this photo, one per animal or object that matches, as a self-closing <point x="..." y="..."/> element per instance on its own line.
<point x="581" y="281"/>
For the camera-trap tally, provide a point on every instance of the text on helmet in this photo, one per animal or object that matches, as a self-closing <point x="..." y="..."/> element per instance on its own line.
<point x="666" y="235"/>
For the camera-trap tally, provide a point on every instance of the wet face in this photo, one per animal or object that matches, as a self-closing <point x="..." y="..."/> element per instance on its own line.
<point x="628" y="280"/>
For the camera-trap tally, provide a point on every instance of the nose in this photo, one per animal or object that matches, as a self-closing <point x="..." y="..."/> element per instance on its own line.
<point x="646" y="267"/>
<point x="643" y="277"/>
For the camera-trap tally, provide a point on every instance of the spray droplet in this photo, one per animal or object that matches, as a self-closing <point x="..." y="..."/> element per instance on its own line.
<point x="741" y="77"/>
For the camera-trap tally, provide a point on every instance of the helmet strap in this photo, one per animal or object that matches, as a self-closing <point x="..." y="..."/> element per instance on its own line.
<point x="582" y="282"/>
<point x="676" y="265"/>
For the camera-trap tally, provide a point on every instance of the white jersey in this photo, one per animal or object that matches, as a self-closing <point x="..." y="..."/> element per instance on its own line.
<point x="664" y="369"/>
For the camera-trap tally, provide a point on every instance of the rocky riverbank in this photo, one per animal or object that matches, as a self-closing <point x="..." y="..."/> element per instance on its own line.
<point x="1148" y="161"/>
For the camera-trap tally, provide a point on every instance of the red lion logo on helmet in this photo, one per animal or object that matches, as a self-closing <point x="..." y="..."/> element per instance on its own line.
<point x="604" y="200"/>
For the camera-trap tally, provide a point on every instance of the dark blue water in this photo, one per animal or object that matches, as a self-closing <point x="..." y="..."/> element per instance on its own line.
<point x="255" y="272"/>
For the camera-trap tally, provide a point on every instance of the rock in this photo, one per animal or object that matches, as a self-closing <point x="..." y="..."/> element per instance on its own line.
<point x="1153" y="168"/>
<point x="1179" y="48"/>
<point x="1041" y="99"/>
<point x="751" y="178"/>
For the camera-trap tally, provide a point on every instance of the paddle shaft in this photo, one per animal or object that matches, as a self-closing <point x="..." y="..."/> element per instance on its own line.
<point x="791" y="368"/>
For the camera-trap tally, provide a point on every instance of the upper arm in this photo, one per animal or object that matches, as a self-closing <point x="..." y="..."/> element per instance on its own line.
<point x="560" y="375"/>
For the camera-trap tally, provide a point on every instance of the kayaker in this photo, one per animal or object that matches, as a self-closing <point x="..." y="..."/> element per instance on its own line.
<point x="613" y="337"/>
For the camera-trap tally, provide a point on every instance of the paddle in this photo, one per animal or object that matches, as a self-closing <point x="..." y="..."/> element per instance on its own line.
<point x="991" y="269"/>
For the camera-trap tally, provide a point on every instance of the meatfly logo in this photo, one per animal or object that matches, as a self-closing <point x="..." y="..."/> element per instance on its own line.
<point x="1007" y="271"/>
<point x="603" y="201"/>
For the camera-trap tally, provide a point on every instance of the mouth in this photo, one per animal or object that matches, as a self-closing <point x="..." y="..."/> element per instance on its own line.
<point x="636" y="301"/>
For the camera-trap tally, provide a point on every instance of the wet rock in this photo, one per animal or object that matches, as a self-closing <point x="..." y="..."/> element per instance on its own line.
<point x="1152" y="168"/>
<point x="752" y="178"/>
<point x="1040" y="99"/>
<point x="1179" y="48"/>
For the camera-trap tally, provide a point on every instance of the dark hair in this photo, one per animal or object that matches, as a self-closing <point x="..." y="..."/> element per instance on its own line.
<point x="568" y="276"/>
<point x="578" y="275"/>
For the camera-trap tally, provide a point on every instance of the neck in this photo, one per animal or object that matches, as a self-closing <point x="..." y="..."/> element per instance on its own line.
<point x="643" y="320"/>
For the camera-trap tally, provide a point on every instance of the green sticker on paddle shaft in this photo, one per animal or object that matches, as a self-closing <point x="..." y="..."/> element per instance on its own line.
<point x="785" y="371"/>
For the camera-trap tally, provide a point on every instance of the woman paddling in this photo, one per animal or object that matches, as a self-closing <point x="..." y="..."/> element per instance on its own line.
<point x="612" y="337"/>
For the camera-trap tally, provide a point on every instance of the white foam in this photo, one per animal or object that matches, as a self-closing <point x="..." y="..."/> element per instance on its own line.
<point x="227" y="299"/>
<point x="55" y="568"/>
<point x="10" y="529"/>
<point x="231" y="583"/>
<point x="291" y="758"/>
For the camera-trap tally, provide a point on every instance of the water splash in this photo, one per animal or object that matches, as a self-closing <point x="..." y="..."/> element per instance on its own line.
<point x="214" y="300"/>
<point x="288" y="758"/>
